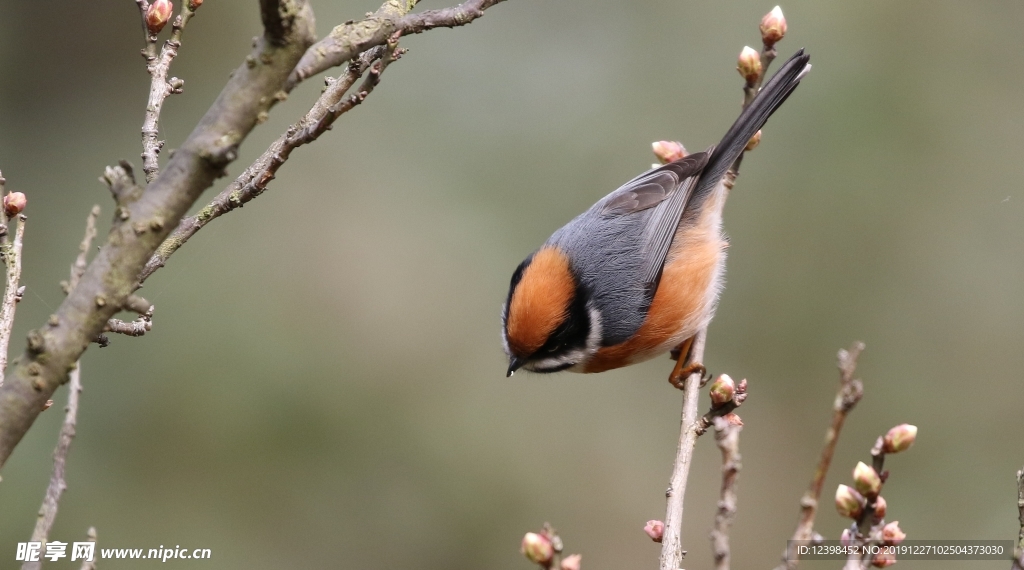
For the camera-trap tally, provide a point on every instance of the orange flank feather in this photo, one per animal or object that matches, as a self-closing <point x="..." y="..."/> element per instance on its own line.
<point x="540" y="302"/>
<point x="686" y="295"/>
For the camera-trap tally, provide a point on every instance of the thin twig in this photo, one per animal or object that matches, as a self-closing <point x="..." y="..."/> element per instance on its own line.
<point x="727" y="436"/>
<point x="159" y="89"/>
<point x="51" y="501"/>
<point x="850" y="392"/>
<point x="671" y="543"/>
<point x="11" y="254"/>
<point x="82" y="261"/>
<point x="254" y="180"/>
<point x="348" y="40"/>
<point x="48" y="511"/>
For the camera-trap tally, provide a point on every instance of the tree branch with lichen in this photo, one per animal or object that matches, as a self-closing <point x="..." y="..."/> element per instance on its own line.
<point x="141" y="226"/>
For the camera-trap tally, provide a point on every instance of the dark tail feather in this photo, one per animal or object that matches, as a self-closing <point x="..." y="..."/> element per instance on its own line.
<point x="771" y="96"/>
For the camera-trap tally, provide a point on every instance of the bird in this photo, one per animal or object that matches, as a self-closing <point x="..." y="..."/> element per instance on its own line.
<point x="640" y="272"/>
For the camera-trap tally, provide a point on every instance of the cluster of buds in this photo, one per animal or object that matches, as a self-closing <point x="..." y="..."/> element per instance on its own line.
<point x="14" y="203"/>
<point x="545" y="549"/>
<point x="866" y="506"/>
<point x="158" y="14"/>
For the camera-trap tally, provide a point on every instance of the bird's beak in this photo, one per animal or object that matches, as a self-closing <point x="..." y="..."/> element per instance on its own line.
<point x="513" y="365"/>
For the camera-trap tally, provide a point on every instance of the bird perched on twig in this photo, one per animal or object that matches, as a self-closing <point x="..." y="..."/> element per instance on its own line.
<point x="640" y="272"/>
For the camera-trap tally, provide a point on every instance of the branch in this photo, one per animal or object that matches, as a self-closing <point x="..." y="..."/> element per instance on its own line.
<point x="48" y="511"/>
<point x="254" y="180"/>
<point x="144" y="224"/>
<point x="850" y="392"/>
<point x="727" y="436"/>
<point x="159" y="89"/>
<point x="11" y="254"/>
<point x="352" y="38"/>
<point x="671" y="544"/>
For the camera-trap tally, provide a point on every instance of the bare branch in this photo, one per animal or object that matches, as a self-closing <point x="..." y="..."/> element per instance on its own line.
<point x="850" y="392"/>
<point x="138" y="327"/>
<point x="82" y="261"/>
<point x="727" y="436"/>
<point x="135" y="236"/>
<point x="352" y="38"/>
<point x="160" y="88"/>
<point x="671" y="543"/>
<point x="11" y="255"/>
<point x="254" y="180"/>
<point x="48" y="511"/>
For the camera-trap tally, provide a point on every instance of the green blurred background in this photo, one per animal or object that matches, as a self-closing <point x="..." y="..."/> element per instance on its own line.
<point x="324" y="384"/>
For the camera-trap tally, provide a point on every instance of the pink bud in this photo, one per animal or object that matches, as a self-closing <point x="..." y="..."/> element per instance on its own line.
<point x="849" y="503"/>
<point x="537" y="548"/>
<point x="655" y="529"/>
<point x="158" y="14"/>
<point x="754" y="141"/>
<point x="880" y="507"/>
<point x="773" y="27"/>
<point x="194" y="4"/>
<point x="892" y="534"/>
<point x="722" y="391"/>
<point x="668" y="151"/>
<point x="846" y="539"/>
<point x="14" y="203"/>
<point x="571" y="562"/>
<point x="866" y="479"/>
<point x="899" y="438"/>
<point x="883" y="558"/>
<point x="749" y="64"/>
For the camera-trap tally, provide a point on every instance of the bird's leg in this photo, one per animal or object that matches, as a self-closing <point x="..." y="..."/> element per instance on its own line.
<point x="684" y="366"/>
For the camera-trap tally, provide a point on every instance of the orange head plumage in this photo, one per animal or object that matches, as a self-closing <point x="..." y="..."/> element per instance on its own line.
<point x="546" y="323"/>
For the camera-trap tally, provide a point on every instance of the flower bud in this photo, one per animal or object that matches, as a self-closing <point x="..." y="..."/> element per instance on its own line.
<point x="880" y="507"/>
<point x="749" y="64"/>
<point x="846" y="539"/>
<point x="14" y="203"/>
<point x="899" y="438"/>
<point x="571" y="562"/>
<point x="537" y="548"/>
<point x="773" y="27"/>
<point x="849" y="503"/>
<point x="892" y="534"/>
<point x="194" y="4"/>
<point x="866" y="480"/>
<point x="668" y="151"/>
<point x="655" y="529"/>
<point x="722" y="391"/>
<point x="754" y="141"/>
<point x="157" y="15"/>
<point x="883" y="558"/>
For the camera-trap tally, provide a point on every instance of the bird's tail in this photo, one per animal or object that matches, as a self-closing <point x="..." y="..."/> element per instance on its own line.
<point x="751" y="120"/>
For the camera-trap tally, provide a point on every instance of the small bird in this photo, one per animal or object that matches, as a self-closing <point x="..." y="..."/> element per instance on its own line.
<point x="640" y="272"/>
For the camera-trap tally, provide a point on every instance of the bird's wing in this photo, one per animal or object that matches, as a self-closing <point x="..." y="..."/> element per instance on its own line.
<point x="667" y="188"/>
